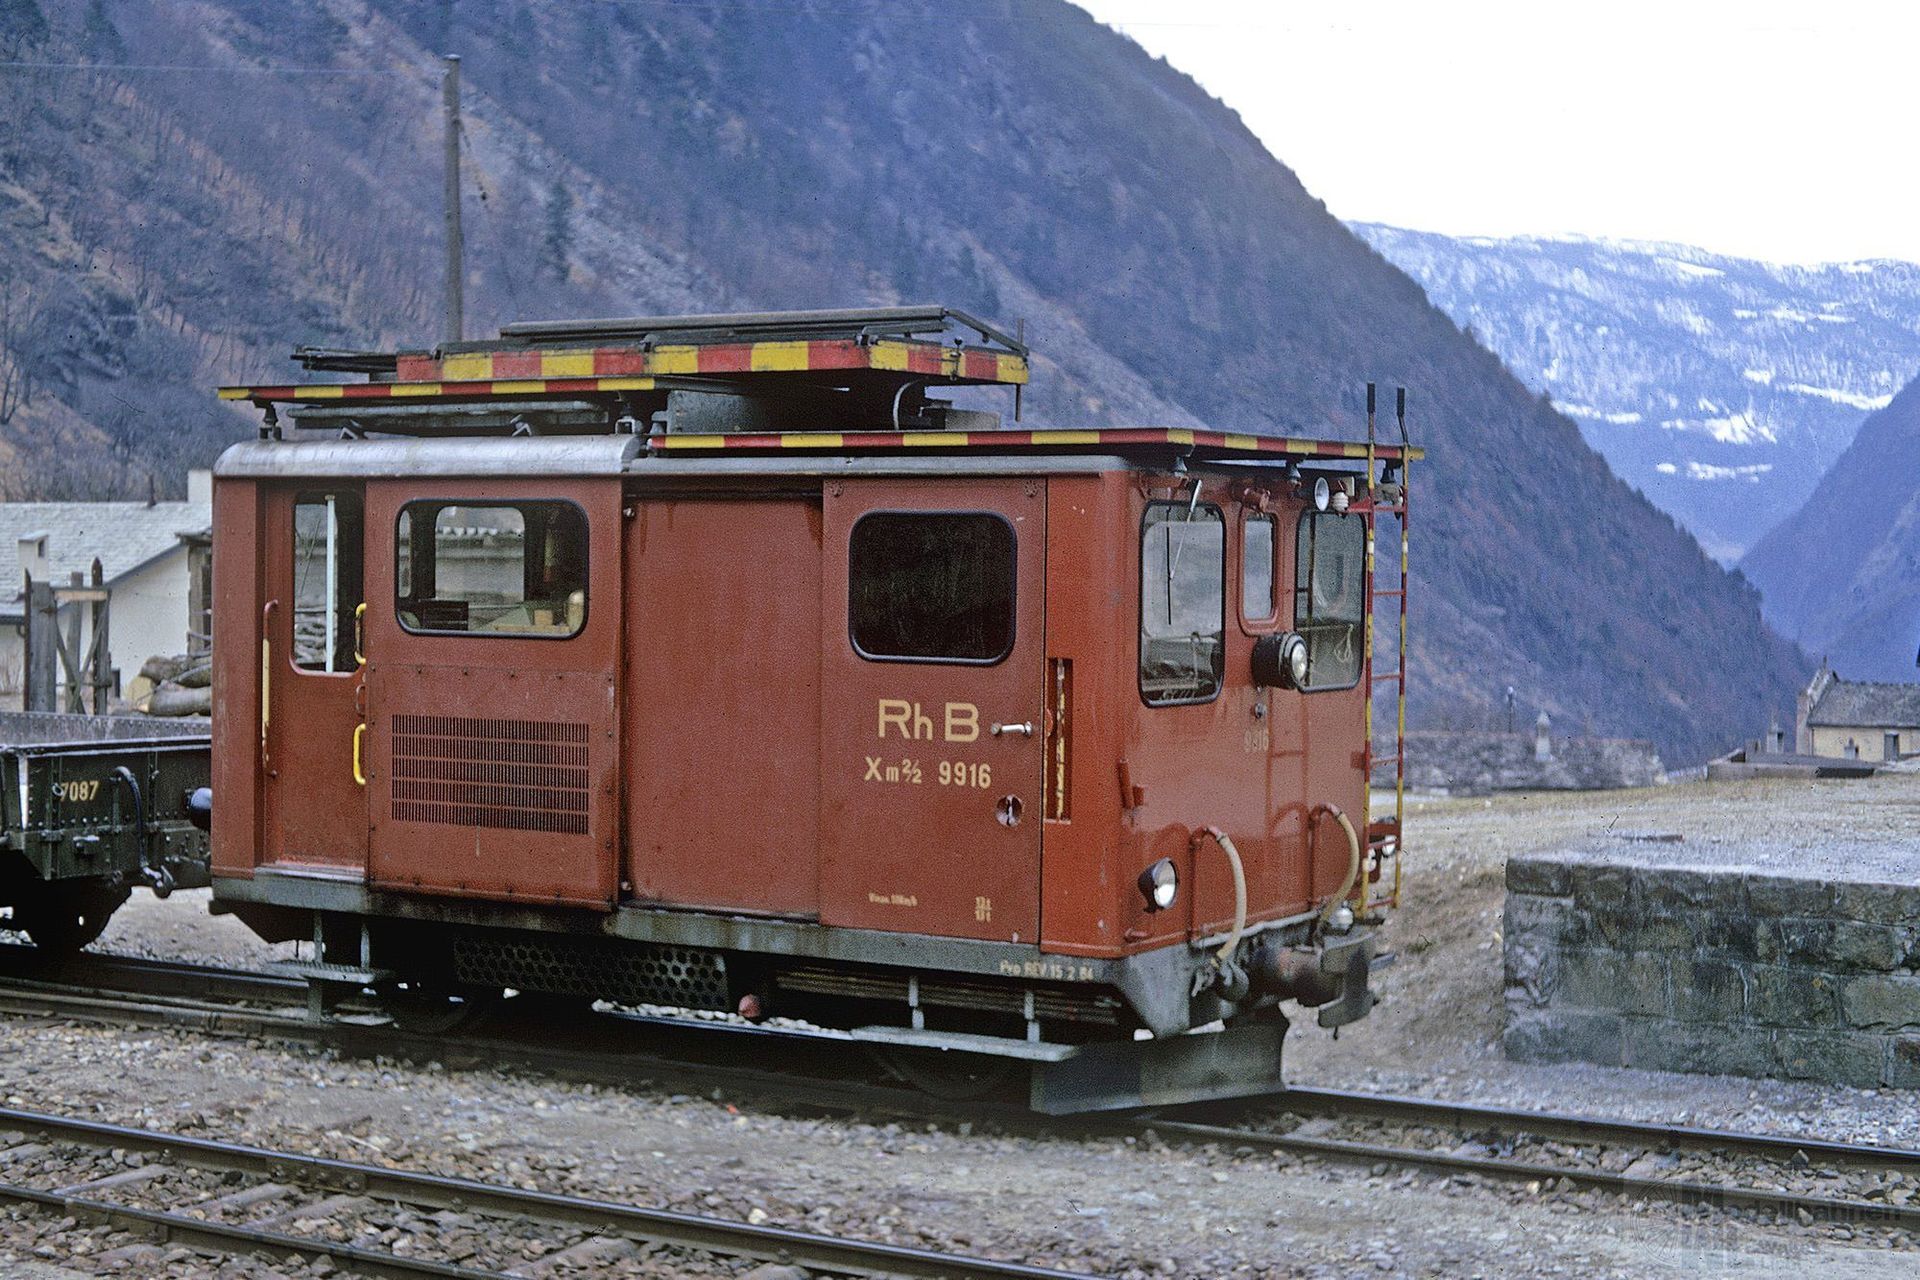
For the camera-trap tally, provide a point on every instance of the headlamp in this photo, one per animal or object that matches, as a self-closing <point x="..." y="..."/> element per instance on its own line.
<point x="1160" y="885"/>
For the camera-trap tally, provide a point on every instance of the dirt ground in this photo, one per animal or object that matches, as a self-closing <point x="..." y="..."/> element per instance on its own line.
<point x="1437" y="1031"/>
<point x="1107" y="1206"/>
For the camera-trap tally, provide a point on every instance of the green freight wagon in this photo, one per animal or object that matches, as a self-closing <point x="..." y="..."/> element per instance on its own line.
<point x="92" y="807"/>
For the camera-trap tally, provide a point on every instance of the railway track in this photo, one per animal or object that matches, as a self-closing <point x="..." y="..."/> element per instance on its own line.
<point x="1766" y="1176"/>
<point x="246" y="1200"/>
<point x="1791" y="1179"/>
<point x="608" y="1048"/>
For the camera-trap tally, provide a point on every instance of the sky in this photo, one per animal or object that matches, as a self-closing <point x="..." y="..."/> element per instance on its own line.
<point x="1765" y="129"/>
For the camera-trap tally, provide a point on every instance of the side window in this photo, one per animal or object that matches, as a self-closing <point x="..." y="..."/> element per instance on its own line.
<point x="1183" y="603"/>
<point x="1329" y="596"/>
<point x="491" y="568"/>
<point x="931" y="587"/>
<point x="327" y="590"/>
<point x="1258" y="591"/>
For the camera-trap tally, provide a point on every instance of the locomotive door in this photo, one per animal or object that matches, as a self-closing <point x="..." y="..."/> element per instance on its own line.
<point x="931" y="716"/>
<point x="312" y="603"/>
<point x="492" y="645"/>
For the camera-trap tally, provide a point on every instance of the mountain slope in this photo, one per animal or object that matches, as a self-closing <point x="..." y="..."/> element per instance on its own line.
<point x="1842" y="574"/>
<point x="1022" y="161"/>
<point x="1720" y="387"/>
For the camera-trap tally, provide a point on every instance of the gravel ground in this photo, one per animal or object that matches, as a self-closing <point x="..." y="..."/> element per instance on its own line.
<point x="1108" y="1206"/>
<point x="1118" y="1206"/>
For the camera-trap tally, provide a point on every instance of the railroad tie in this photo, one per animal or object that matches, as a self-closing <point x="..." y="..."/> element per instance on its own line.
<point x="245" y="1198"/>
<point x="124" y="1178"/>
<point x="586" y="1255"/>
<point x="311" y="1211"/>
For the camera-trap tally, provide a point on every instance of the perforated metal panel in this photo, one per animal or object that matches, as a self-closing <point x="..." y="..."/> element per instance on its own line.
<point x="514" y="775"/>
<point x="631" y="973"/>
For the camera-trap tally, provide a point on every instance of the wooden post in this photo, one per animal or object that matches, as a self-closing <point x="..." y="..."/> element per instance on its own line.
<point x="456" y="270"/>
<point x="43" y="647"/>
<point x="70" y="654"/>
<point x="100" y="654"/>
<point x="199" y="596"/>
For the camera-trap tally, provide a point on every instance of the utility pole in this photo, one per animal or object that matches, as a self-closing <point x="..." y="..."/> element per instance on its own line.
<point x="450" y="97"/>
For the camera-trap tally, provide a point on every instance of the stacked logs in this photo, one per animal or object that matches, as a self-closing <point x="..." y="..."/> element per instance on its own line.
<point x="179" y="686"/>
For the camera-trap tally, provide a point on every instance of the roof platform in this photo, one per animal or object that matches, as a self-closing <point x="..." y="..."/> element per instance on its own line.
<point x="879" y="350"/>
<point x="1186" y="441"/>
<point x="764" y="382"/>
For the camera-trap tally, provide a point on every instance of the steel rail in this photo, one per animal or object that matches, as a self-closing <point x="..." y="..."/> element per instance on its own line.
<point x="1578" y="1128"/>
<point x="1676" y="1190"/>
<point x="232" y="1238"/>
<point x="145" y="974"/>
<point x="46" y="997"/>
<point x="140" y="1000"/>
<point x="693" y="1232"/>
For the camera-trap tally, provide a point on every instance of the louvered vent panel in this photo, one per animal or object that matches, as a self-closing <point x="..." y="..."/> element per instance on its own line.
<point x="515" y="775"/>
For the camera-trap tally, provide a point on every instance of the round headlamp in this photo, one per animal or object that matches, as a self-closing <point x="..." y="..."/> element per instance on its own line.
<point x="1322" y="493"/>
<point x="1160" y="885"/>
<point x="1280" y="659"/>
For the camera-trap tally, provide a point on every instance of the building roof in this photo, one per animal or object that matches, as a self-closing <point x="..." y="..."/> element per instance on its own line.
<point x="123" y="535"/>
<point x="1866" y="704"/>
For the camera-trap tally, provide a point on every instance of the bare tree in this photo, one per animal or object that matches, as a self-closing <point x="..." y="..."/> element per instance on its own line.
<point x="19" y="313"/>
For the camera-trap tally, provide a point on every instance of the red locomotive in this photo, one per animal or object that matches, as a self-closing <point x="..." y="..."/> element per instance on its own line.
<point x="709" y="662"/>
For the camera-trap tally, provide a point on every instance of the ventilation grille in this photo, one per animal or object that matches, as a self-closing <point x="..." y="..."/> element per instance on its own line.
<point x="1072" y="1005"/>
<point x="626" y="973"/>
<point x="515" y="775"/>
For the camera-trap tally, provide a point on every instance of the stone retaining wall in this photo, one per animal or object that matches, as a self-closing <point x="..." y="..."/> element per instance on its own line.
<point x="1712" y="969"/>
<point x="1475" y="763"/>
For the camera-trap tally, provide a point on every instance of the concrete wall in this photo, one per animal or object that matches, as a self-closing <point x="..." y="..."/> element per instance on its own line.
<point x="1469" y="763"/>
<point x="1828" y="741"/>
<point x="149" y="614"/>
<point x="1712" y="969"/>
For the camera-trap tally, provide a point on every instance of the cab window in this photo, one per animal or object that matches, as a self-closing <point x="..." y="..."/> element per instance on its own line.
<point x="1329" y="597"/>
<point x="931" y="586"/>
<point x="1183" y="603"/>
<point x="491" y="568"/>
<point x="1258" y="590"/>
<point x="326" y="581"/>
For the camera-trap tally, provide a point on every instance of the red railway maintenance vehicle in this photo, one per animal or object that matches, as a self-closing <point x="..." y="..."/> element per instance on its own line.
<point x="707" y="662"/>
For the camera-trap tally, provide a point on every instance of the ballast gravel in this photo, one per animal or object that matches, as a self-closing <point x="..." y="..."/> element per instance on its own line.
<point x="1131" y="1207"/>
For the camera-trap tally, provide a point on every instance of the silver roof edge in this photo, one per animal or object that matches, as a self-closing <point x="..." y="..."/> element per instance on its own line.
<point x="596" y="455"/>
<point x="662" y="466"/>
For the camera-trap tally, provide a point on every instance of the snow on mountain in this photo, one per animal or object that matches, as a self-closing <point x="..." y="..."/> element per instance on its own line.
<point x="1722" y="388"/>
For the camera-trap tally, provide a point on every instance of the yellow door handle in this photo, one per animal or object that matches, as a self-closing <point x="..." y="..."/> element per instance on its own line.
<point x="360" y="634"/>
<point x="359" y="736"/>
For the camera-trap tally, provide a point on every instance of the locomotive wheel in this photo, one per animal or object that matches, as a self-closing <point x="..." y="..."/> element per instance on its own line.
<point x="951" y="1077"/>
<point x="426" y="1010"/>
<point x="64" y="918"/>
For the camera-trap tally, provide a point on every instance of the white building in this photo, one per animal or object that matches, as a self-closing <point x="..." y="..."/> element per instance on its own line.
<point x="150" y="554"/>
<point x="1858" y="719"/>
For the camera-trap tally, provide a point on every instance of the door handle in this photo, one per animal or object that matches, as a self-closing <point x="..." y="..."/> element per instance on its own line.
<point x="360" y="634"/>
<point x="359" y="736"/>
<point x="266" y="681"/>
<point x="1025" y="728"/>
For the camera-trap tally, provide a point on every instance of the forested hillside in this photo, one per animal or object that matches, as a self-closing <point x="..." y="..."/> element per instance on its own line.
<point x="164" y="229"/>
<point x="1842" y="575"/>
